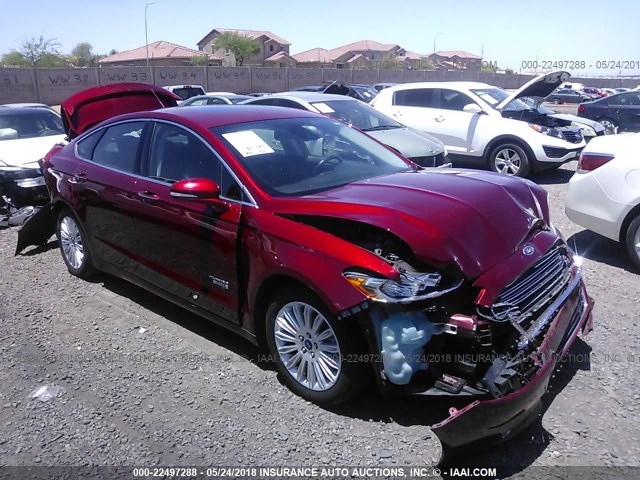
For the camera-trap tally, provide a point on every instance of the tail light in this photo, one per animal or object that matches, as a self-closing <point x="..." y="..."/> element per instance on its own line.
<point x="590" y="161"/>
<point x="44" y="163"/>
<point x="581" y="108"/>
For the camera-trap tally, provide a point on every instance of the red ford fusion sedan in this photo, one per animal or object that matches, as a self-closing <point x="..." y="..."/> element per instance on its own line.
<point x="342" y="258"/>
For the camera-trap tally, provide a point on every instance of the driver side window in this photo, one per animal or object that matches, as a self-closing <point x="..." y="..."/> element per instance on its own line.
<point x="177" y="154"/>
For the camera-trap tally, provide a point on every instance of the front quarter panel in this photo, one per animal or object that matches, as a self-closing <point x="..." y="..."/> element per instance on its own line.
<point x="279" y="246"/>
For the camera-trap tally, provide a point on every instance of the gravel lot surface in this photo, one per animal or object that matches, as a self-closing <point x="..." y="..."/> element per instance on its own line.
<point x="146" y="383"/>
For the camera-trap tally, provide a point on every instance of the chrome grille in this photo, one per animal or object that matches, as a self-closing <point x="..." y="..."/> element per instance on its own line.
<point x="535" y="288"/>
<point x="572" y="136"/>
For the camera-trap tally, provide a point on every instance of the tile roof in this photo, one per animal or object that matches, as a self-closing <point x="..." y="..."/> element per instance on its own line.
<point x="279" y="56"/>
<point x="313" y="55"/>
<point x="160" y="49"/>
<point x="247" y="33"/>
<point x="457" y="53"/>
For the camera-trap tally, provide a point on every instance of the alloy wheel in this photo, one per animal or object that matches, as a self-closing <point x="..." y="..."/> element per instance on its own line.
<point x="71" y="242"/>
<point x="508" y="161"/>
<point x="307" y="345"/>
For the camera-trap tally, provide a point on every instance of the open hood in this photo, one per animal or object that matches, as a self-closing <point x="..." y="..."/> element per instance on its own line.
<point x="337" y="88"/>
<point x="540" y="86"/>
<point x="90" y="107"/>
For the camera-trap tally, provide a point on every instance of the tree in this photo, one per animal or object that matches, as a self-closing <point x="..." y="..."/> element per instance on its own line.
<point x="199" y="61"/>
<point x="241" y="46"/>
<point x="40" y="50"/>
<point x="15" y="59"/>
<point x="113" y="51"/>
<point x="82" y="55"/>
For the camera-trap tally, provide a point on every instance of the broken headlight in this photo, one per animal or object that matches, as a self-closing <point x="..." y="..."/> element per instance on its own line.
<point x="408" y="287"/>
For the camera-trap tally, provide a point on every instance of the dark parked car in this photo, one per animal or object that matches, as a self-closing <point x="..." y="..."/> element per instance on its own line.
<point x="566" y="95"/>
<point x="319" y="243"/>
<point x="619" y="112"/>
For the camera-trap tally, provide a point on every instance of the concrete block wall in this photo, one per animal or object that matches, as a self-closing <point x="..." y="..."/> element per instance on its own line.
<point x="52" y="86"/>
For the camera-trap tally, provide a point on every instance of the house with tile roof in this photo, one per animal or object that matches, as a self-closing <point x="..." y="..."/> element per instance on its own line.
<point x="161" y="53"/>
<point x="363" y="53"/>
<point x="274" y="50"/>
<point x="456" y="60"/>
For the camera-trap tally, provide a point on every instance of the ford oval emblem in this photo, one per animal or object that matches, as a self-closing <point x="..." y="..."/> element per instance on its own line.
<point x="528" y="250"/>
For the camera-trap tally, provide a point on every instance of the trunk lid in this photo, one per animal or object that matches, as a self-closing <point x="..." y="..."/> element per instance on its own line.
<point x="90" y="107"/>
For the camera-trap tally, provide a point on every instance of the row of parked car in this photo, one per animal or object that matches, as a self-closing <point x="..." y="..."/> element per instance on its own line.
<point x="473" y="123"/>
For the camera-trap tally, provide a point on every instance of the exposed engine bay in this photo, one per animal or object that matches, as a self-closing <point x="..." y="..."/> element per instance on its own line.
<point x="443" y="343"/>
<point x="535" y="117"/>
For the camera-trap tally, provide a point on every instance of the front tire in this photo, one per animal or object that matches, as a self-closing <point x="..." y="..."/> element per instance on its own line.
<point x="632" y="241"/>
<point x="314" y="353"/>
<point x="556" y="101"/>
<point x="509" y="159"/>
<point x="73" y="245"/>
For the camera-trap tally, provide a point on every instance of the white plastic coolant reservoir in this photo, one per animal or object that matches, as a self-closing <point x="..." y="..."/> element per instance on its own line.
<point x="403" y="336"/>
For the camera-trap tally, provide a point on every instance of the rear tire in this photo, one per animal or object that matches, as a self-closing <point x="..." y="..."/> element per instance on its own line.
<point x="73" y="245"/>
<point x="556" y="101"/>
<point x="632" y="242"/>
<point x="314" y="352"/>
<point x="609" y="124"/>
<point x="509" y="159"/>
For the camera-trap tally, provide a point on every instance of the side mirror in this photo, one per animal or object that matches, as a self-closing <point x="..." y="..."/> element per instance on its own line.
<point x="195" y="189"/>
<point x="472" y="108"/>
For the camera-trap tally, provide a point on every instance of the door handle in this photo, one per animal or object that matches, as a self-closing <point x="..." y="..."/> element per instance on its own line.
<point x="148" y="197"/>
<point x="439" y="118"/>
<point x="78" y="178"/>
<point x="397" y="114"/>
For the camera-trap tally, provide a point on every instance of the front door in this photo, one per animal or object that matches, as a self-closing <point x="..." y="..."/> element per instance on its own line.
<point x="187" y="247"/>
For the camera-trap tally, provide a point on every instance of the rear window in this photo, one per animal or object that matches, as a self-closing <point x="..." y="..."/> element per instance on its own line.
<point x="187" y="92"/>
<point x="415" y="97"/>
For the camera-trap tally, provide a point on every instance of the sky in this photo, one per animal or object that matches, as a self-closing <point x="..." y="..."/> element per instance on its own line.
<point x="603" y="35"/>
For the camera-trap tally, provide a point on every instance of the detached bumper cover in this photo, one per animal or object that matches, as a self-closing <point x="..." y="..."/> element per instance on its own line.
<point x="496" y="419"/>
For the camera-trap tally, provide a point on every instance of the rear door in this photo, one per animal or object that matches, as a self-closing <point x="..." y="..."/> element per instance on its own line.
<point x="188" y="247"/>
<point x="104" y="189"/>
<point x="417" y="108"/>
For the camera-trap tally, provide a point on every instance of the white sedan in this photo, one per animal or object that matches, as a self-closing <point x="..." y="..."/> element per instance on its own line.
<point x="604" y="194"/>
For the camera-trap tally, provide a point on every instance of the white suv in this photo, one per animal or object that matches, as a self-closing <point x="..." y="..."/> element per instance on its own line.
<point x="487" y="125"/>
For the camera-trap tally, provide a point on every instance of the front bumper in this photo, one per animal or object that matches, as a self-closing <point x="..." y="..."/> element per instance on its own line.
<point x="495" y="420"/>
<point x="24" y="187"/>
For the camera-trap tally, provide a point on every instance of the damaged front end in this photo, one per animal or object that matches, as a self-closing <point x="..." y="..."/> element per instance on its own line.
<point x="494" y="341"/>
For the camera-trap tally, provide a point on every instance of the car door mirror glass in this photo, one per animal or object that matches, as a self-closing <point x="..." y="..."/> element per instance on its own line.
<point x="195" y="189"/>
<point x="472" y="108"/>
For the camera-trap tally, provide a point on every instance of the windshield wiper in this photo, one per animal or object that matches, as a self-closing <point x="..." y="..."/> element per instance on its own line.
<point x="381" y="127"/>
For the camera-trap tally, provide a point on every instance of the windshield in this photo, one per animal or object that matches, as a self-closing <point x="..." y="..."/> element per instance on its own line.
<point x="493" y="96"/>
<point x="357" y="114"/>
<point x="366" y="92"/>
<point x="300" y="156"/>
<point x="29" y="123"/>
<point x="239" y="98"/>
<point x="188" y="92"/>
